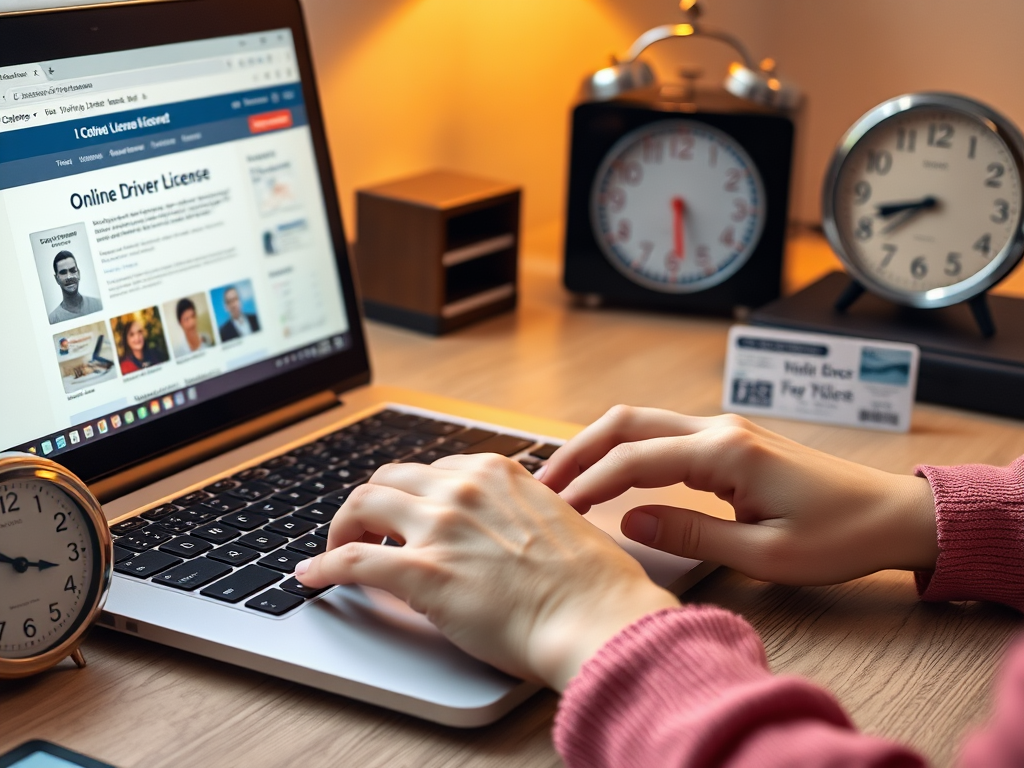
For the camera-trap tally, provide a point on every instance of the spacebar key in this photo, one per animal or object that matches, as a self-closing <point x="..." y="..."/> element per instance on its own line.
<point x="240" y="584"/>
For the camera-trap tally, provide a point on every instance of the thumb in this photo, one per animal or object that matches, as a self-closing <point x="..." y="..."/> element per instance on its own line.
<point x="688" y="533"/>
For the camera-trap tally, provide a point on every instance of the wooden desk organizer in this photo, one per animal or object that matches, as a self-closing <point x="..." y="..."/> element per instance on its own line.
<point x="437" y="251"/>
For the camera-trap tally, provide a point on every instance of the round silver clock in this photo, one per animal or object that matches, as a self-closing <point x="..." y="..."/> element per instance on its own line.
<point x="923" y="200"/>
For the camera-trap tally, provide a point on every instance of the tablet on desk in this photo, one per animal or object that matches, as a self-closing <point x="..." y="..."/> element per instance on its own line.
<point x="43" y="754"/>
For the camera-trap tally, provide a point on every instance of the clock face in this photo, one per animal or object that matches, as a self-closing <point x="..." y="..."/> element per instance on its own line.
<point x="677" y="206"/>
<point x="927" y="204"/>
<point x="48" y="566"/>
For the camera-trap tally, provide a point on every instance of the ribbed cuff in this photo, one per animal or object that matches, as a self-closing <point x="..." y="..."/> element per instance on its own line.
<point x="691" y="680"/>
<point x="979" y="514"/>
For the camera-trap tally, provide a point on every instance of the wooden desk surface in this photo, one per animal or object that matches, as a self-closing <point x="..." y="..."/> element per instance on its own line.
<point x="918" y="673"/>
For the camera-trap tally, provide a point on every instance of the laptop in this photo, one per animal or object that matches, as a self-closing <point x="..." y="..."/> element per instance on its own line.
<point x="157" y="143"/>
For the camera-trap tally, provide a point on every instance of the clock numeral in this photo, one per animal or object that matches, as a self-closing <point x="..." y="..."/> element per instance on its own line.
<point x="940" y="135"/>
<point x="9" y="503"/>
<point x="984" y="245"/>
<point x="732" y="179"/>
<point x="624" y="230"/>
<point x="74" y="552"/>
<point x="29" y="628"/>
<point x="879" y="161"/>
<point x="971" y="147"/>
<point x="39" y="504"/>
<point x="1002" y="211"/>
<point x="740" y="209"/>
<point x="863" y="231"/>
<point x="703" y="255"/>
<point x="890" y="251"/>
<point x="631" y="173"/>
<point x="69" y="585"/>
<point x="953" y="265"/>
<point x="906" y="140"/>
<point x="728" y="237"/>
<point x="919" y="267"/>
<point x="2" y="625"/>
<point x="55" y="613"/>
<point x="861" y="192"/>
<point x="615" y="199"/>
<point x="61" y="519"/>
<point x="653" y="150"/>
<point x="996" y="171"/>
<point x="682" y="146"/>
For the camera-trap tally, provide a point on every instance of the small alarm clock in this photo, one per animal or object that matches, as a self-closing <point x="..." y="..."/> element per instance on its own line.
<point x="677" y="196"/>
<point x="56" y="558"/>
<point x="923" y="202"/>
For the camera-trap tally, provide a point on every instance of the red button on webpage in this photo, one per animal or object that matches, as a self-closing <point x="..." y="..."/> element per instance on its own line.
<point x="270" y="121"/>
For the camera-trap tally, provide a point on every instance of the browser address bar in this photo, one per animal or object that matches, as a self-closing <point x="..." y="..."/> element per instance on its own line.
<point x="85" y="86"/>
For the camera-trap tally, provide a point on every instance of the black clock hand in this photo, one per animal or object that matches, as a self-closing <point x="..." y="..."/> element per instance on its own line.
<point x="22" y="564"/>
<point x="891" y="209"/>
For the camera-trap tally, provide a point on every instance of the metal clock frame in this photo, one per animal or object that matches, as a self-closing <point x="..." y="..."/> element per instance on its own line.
<point x="628" y="140"/>
<point x="24" y="466"/>
<point x="998" y="267"/>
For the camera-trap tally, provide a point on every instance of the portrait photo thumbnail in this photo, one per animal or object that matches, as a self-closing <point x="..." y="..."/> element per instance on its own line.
<point x="139" y="338"/>
<point x="85" y="356"/>
<point x="234" y="309"/>
<point x="67" y="275"/>
<point x="189" y="325"/>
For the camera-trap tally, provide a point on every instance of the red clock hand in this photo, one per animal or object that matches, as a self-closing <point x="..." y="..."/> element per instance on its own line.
<point x="679" y="208"/>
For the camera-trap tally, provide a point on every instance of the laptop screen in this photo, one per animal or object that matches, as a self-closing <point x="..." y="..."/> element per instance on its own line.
<point x="164" y="237"/>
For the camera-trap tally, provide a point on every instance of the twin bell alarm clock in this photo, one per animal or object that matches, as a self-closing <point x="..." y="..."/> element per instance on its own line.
<point x="678" y="195"/>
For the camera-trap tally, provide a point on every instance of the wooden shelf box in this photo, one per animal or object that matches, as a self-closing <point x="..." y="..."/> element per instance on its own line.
<point x="437" y="251"/>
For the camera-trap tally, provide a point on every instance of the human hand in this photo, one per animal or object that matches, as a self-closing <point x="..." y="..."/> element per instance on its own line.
<point x="498" y="562"/>
<point x="802" y="516"/>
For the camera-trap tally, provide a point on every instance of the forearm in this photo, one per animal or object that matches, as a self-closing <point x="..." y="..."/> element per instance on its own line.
<point x="691" y="687"/>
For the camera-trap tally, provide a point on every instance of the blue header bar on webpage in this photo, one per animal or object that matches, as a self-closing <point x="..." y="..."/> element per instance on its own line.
<point x="82" y="145"/>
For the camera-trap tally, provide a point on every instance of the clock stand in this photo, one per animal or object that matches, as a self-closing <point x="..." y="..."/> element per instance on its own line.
<point x="958" y="367"/>
<point x="978" y="305"/>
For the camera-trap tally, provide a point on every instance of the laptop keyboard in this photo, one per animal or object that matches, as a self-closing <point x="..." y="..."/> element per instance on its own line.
<point x="240" y="538"/>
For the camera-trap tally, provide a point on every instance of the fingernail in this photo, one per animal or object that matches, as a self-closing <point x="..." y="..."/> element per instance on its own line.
<point x="641" y="527"/>
<point x="539" y="474"/>
<point x="301" y="567"/>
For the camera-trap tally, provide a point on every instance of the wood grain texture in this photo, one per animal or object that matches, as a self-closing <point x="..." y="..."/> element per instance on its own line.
<point x="904" y="669"/>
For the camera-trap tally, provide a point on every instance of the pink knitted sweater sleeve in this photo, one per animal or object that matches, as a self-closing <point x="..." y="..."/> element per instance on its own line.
<point x="691" y="686"/>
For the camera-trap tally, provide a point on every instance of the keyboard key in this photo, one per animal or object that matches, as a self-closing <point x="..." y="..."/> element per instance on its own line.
<point x="504" y="445"/>
<point x="147" y="564"/>
<point x="275" y="602"/>
<point x="321" y="485"/>
<point x="532" y="465"/>
<point x="283" y="479"/>
<point x="223" y="504"/>
<point x="176" y="524"/>
<point x="270" y="508"/>
<point x="322" y="531"/>
<point x="224" y="484"/>
<point x="297" y="497"/>
<point x="431" y="455"/>
<point x="371" y="461"/>
<point x="308" y="545"/>
<point x="543" y="452"/>
<point x="277" y="462"/>
<point x="232" y="554"/>
<point x="417" y="441"/>
<point x="140" y="541"/>
<point x="193" y="574"/>
<point x="252" y="473"/>
<point x="262" y="541"/>
<point x="399" y="420"/>
<point x="348" y="475"/>
<point x="216" y="533"/>
<point x="191" y="498"/>
<point x="252" y="491"/>
<point x="240" y="584"/>
<point x="245" y="521"/>
<point x="186" y="546"/>
<point x="439" y="428"/>
<point x="321" y="512"/>
<point x="469" y="437"/>
<point x="338" y="497"/>
<point x="282" y="560"/>
<point x="291" y="527"/>
<point x="296" y="587"/>
<point x="127" y="526"/>
<point x="121" y="554"/>
<point x="396" y="451"/>
<point x="159" y="513"/>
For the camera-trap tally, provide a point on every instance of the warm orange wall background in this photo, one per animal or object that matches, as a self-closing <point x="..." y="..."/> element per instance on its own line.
<point x="486" y="87"/>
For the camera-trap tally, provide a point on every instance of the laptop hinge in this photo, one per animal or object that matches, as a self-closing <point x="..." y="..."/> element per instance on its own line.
<point x="135" y="477"/>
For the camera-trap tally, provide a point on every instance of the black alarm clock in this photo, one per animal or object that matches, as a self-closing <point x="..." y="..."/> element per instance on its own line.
<point x="677" y="196"/>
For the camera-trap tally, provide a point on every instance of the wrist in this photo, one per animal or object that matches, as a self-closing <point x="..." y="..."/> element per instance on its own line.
<point x="910" y="506"/>
<point x="577" y="630"/>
